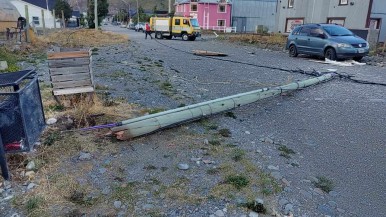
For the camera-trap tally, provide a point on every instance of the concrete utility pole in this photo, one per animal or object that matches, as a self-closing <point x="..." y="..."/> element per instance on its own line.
<point x="170" y="6"/>
<point x="44" y="23"/>
<point x="64" y="24"/>
<point x="143" y="125"/>
<point x="27" y="36"/>
<point x="54" y="15"/>
<point x="96" y="14"/>
<point x="138" y="11"/>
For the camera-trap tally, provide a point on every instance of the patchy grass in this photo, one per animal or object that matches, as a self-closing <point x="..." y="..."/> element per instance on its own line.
<point x="11" y="57"/>
<point x="238" y="181"/>
<point x="214" y="142"/>
<point x="285" y="151"/>
<point x="154" y="110"/>
<point x="268" y="184"/>
<point x="166" y="86"/>
<point x="256" y="207"/>
<point x="324" y="183"/>
<point x="265" y="40"/>
<point x="33" y="206"/>
<point x="230" y="115"/>
<point x="208" y="125"/>
<point x="238" y="154"/>
<point x="213" y="171"/>
<point x="225" y="132"/>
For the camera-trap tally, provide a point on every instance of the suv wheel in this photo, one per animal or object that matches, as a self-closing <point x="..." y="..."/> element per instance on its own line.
<point x="357" y="58"/>
<point x="330" y="54"/>
<point x="293" y="51"/>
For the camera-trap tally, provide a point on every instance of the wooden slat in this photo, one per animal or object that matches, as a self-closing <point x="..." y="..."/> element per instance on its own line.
<point x="69" y="70"/>
<point x="208" y="53"/>
<point x="68" y="62"/>
<point x="71" y="84"/>
<point x="67" y="55"/>
<point x="71" y="77"/>
<point x="73" y="91"/>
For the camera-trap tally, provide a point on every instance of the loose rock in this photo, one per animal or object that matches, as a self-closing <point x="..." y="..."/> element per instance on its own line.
<point x="183" y="166"/>
<point x="253" y="214"/>
<point x="84" y="156"/>
<point x="219" y="213"/>
<point x="51" y="121"/>
<point x="30" y="166"/>
<point x="288" y="209"/>
<point x="117" y="204"/>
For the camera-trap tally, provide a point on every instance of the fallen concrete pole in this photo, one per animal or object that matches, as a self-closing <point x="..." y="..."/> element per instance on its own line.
<point x="146" y="124"/>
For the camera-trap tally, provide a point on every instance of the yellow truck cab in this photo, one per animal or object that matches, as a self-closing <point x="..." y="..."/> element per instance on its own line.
<point x="166" y="27"/>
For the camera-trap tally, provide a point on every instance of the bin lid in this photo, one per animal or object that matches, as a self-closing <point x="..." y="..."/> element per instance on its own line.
<point x="14" y="78"/>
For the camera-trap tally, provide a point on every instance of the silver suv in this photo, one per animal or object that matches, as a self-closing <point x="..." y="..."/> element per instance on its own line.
<point x="326" y="40"/>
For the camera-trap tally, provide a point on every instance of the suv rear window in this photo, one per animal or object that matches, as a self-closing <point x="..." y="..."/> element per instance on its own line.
<point x="296" y="31"/>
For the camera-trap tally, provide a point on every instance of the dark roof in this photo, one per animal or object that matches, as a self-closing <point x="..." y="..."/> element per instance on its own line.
<point x="42" y="3"/>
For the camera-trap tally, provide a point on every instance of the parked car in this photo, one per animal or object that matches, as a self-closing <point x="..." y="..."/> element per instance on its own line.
<point x="131" y="26"/>
<point x="140" y="27"/>
<point x="330" y="41"/>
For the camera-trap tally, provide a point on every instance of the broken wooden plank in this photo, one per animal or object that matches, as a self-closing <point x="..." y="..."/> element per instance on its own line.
<point x="208" y="53"/>
<point x="71" y="84"/>
<point x="73" y="91"/>
<point x="57" y="63"/>
<point x="69" y="70"/>
<point x="70" y="77"/>
<point x="67" y="55"/>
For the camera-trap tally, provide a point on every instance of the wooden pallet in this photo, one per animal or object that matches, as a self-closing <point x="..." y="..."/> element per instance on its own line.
<point x="70" y="72"/>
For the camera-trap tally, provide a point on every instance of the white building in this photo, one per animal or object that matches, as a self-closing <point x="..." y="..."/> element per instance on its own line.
<point x="35" y="8"/>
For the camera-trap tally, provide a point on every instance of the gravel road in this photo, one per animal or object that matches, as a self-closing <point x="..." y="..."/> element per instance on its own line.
<point x="336" y="128"/>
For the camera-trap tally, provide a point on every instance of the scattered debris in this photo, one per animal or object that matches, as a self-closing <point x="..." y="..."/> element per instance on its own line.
<point x="342" y="63"/>
<point x="208" y="53"/>
<point x="3" y="65"/>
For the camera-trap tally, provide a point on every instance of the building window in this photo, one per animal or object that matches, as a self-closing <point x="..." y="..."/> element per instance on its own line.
<point x="375" y="23"/>
<point x="35" y="20"/>
<point x="220" y="22"/>
<point x="336" y="20"/>
<point x="291" y="23"/>
<point x="193" y="7"/>
<point x="291" y="3"/>
<point x="221" y="8"/>
<point x="343" y="2"/>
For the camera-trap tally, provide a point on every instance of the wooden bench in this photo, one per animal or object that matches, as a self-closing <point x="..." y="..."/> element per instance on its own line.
<point x="70" y="72"/>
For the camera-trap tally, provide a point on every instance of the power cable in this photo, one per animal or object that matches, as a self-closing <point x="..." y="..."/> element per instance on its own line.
<point x="300" y="71"/>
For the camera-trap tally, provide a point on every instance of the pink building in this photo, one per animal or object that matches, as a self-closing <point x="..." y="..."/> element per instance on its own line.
<point x="211" y="14"/>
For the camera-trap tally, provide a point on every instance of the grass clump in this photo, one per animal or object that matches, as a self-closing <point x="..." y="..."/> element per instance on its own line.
<point x="155" y="110"/>
<point x="225" y="132"/>
<point x="285" y="151"/>
<point x="214" y="142"/>
<point x="11" y="59"/>
<point x="213" y="171"/>
<point x="256" y="207"/>
<point x="268" y="184"/>
<point x="324" y="183"/>
<point x="166" y="86"/>
<point x="33" y="204"/>
<point x="230" y="115"/>
<point x="238" y="181"/>
<point x="208" y="125"/>
<point x="238" y="154"/>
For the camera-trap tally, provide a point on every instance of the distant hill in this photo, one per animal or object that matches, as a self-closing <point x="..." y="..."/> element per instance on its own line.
<point x="124" y="4"/>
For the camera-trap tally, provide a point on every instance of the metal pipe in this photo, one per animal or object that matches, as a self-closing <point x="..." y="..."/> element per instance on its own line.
<point x="150" y="123"/>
